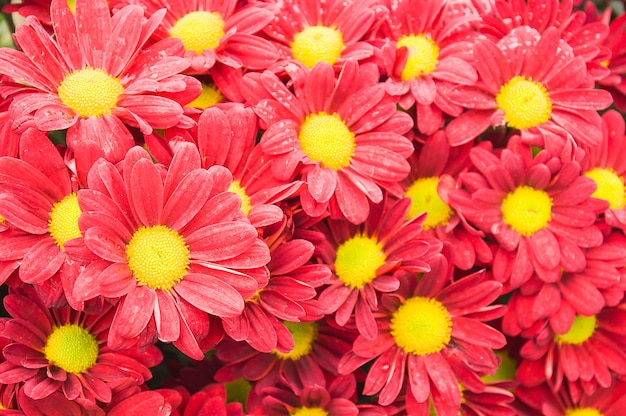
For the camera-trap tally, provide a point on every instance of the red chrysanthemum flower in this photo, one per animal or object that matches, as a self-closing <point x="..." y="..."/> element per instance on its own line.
<point x="317" y="349"/>
<point x="426" y="52"/>
<point x="586" y="292"/>
<point x="336" y="399"/>
<point x="342" y="136"/>
<point x="65" y="350"/>
<point x="369" y="259"/>
<point x="289" y="295"/>
<point x="434" y="168"/>
<point x="604" y="165"/>
<point x="431" y="338"/>
<point x="312" y="31"/>
<point x="615" y="41"/>
<point x="539" y="211"/>
<point x="588" y="354"/>
<point x="226" y="136"/>
<point x="39" y="204"/>
<point x="533" y="83"/>
<point x="212" y="31"/>
<point x="174" y="247"/>
<point x="548" y="402"/>
<point x="582" y="34"/>
<point x="91" y="79"/>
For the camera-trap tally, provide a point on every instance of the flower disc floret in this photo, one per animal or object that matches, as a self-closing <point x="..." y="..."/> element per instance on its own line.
<point x="71" y="348"/>
<point x="583" y="411"/>
<point x="526" y="103"/>
<point x="317" y="44"/>
<point x="236" y="188"/>
<point x="423" y="55"/>
<point x="209" y="96"/>
<point x="158" y="257"/>
<point x="199" y="30"/>
<point x="425" y="198"/>
<point x="90" y="92"/>
<point x="421" y="326"/>
<point x="357" y="260"/>
<point x="309" y="411"/>
<point x="325" y="138"/>
<point x="304" y="335"/>
<point x="63" y="222"/>
<point x="582" y="329"/>
<point x="610" y="186"/>
<point x="527" y="210"/>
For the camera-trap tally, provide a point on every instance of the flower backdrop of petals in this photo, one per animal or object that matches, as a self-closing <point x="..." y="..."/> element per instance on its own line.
<point x="312" y="207"/>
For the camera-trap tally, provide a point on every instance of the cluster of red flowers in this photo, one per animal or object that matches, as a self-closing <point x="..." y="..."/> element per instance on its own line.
<point x="313" y="208"/>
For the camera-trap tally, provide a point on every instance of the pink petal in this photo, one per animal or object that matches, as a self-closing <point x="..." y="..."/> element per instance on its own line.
<point x="221" y="241"/>
<point x="166" y="317"/>
<point x="321" y="183"/>
<point x="133" y="313"/>
<point x="42" y="261"/>
<point x="146" y="193"/>
<point x="210" y="295"/>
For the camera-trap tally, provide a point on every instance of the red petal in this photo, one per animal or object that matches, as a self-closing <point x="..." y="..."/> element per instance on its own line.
<point x="210" y="295"/>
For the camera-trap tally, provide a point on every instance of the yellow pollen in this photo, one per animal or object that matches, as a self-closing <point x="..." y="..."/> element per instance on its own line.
<point x="423" y="55"/>
<point x="158" y="257"/>
<point x="421" y="326"/>
<point x="325" y="138"/>
<point x="236" y="188"/>
<point x="304" y="335"/>
<point x="582" y="329"/>
<point x="199" y="30"/>
<point x="526" y="103"/>
<point x="317" y="44"/>
<point x="72" y="348"/>
<point x="610" y="186"/>
<point x="425" y="198"/>
<point x="584" y="411"/>
<point x="90" y="92"/>
<point x="605" y="63"/>
<point x="209" y="96"/>
<point x="357" y="260"/>
<point x="63" y="222"/>
<point x="309" y="411"/>
<point x="527" y="210"/>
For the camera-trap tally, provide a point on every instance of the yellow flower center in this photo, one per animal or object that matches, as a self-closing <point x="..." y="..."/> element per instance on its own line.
<point x="309" y="411"/>
<point x="236" y="188"/>
<point x="584" y="411"/>
<point x="304" y="335"/>
<point x="72" y="348"/>
<point x="526" y="103"/>
<point x="610" y="186"/>
<point x="199" y="30"/>
<point x="421" y="326"/>
<point x="423" y="55"/>
<point x="158" y="257"/>
<point x="209" y="96"/>
<point x="582" y="329"/>
<point x="317" y="44"/>
<point x="90" y="92"/>
<point x="63" y="222"/>
<point x="72" y="5"/>
<point x="357" y="260"/>
<point x="527" y="210"/>
<point x="425" y="198"/>
<point x="325" y="138"/>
